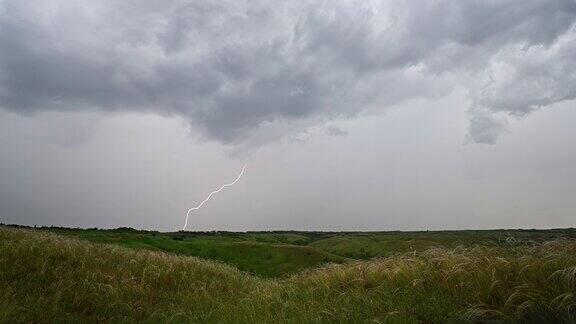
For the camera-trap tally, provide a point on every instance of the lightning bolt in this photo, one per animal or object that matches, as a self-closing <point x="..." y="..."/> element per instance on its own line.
<point x="210" y="195"/>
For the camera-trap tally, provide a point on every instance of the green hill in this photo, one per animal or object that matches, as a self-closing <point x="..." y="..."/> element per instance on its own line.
<point x="263" y="254"/>
<point x="276" y="254"/>
<point x="45" y="277"/>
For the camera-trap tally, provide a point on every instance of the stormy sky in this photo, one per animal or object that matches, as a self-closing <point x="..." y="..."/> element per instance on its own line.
<point x="349" y="115"/>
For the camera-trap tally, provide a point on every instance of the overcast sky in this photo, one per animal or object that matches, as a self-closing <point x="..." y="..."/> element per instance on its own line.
<point x="365" y="115"/>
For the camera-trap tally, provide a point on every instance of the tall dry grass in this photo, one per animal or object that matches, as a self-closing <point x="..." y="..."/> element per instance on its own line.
<point x="47" y="278"/>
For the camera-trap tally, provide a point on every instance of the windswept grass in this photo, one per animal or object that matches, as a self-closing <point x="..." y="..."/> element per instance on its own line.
<point x="45" y="277"/>
<point x="263" y="254"/>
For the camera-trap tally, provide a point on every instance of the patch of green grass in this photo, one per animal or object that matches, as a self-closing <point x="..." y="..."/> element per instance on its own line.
<point x="273" y="260"/>
<point x="368" y="246"/>
<point x="46" y="277"/>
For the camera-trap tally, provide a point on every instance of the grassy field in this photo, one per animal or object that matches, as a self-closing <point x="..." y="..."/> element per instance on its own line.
<point x="263" y="254"/>
<point x="47" y="277"/>
<point x="274" y="254"/>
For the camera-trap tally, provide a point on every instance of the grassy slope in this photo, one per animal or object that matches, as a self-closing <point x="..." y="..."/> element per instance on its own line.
<point x="377" y="244"/>
<point x="46" y="277"/>
<point x="267" y="255"/>
<point x="270" y="254"/>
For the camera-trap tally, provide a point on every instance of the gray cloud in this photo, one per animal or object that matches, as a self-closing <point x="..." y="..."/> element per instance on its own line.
<point x="234" y="68"/>
<point x="485" y="128"/>
<point x="335" y="131"/>
<point x="528" y="79"/>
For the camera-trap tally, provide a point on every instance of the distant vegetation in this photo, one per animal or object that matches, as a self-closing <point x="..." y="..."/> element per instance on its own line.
<point x="431" y="277"/>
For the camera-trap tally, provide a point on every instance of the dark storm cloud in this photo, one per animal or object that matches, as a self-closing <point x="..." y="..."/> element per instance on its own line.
<point x="231" y="67"/>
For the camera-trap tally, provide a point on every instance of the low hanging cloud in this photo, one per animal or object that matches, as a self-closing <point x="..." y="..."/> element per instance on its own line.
<point x="234" y="68"/>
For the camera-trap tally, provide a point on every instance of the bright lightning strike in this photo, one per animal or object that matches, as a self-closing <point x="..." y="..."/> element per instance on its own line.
<point x="210" y="195"/>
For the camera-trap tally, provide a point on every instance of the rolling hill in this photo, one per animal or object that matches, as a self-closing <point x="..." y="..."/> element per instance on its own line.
<point x="46" y="277"/>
